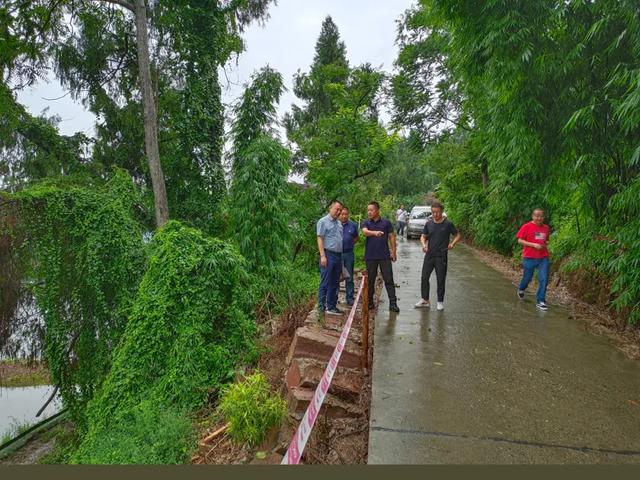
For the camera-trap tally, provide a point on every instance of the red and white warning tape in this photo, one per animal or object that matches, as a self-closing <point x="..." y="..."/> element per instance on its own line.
<point x="296" y="447"/>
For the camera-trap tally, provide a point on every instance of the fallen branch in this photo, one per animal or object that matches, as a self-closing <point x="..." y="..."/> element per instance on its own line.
<point x="46" y="404"/>
<point x="55" y="390"/>
<point x="218" y="432"/>
<point x="206" y="455"/>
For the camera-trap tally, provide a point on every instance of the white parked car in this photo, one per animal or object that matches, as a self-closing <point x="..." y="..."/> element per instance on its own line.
<point x="417" y="218"/>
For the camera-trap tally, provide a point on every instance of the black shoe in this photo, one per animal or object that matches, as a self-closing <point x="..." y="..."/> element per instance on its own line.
<point x="334" y="311"/>
<point x="542" y="306"/>
<point x="394" y="308"/>
<point x="520" y="294"/>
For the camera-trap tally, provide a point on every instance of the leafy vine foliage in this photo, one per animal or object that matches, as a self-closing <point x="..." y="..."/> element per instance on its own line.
<point x="83" y="253"/>
<point x="188" y="329"/>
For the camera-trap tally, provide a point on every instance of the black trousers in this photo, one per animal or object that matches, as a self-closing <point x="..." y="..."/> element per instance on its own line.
<point x="387" y="276"/>
<point x="440" y="265"/>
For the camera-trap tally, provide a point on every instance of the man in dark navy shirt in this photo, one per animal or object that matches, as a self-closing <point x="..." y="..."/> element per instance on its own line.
<point x="380" y="236"/>
<point x="349" y="239"/>
<point x="436" y="243"/>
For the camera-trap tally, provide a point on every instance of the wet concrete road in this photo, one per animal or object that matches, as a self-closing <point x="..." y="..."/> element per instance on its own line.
<point x="492" y="380"/>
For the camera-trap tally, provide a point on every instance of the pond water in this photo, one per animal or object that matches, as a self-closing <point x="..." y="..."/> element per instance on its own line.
<point x="19" y="405"/>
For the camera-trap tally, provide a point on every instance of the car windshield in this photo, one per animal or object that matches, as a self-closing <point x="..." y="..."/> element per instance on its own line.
<point x="420" y="214"/>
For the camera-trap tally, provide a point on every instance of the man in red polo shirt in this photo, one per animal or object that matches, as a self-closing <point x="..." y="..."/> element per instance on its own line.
<point x="534" y="236"/>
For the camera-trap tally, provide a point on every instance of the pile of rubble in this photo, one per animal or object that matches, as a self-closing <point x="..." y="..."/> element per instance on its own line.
<point x="310" y="350"/>
<point x="341" y="431"/>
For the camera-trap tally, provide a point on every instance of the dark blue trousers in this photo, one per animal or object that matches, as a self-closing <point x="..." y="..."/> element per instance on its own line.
<point x="348" y="260"/>
<point x="329" y="281"/>
<point x="529" y="265"/>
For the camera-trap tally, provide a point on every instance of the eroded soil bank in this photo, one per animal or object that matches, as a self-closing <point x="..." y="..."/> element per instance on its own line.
<point x="296" y="355"/>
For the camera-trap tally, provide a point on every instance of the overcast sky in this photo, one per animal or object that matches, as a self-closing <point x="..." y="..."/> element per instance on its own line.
<point x="286" y="42"/>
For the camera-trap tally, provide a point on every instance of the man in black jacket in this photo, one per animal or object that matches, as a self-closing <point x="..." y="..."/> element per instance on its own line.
<point x="436" y="243"/>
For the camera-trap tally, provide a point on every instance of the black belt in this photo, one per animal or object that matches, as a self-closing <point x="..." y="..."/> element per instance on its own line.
<point x="332" y="251"/>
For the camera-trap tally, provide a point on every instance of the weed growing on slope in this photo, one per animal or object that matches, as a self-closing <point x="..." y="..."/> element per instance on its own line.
<point x="251" y="409"/>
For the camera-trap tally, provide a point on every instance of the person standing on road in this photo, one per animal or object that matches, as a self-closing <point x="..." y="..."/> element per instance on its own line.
<point x="379" y="252"/>
<point x="329" y="237"/>
<point x="436" y="243"/>
<point x="533" y="236"/>
<point x="401" y="219"/>
<point x="349" y="239"/>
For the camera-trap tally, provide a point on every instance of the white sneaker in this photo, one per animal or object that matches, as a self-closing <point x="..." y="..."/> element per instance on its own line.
<point x="422" y="304"/>
<point x="440" y="306"/>
<point x="542" y="306"/>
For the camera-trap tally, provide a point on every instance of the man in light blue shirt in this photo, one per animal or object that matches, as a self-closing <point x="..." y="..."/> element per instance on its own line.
<point x="329" y="236"/>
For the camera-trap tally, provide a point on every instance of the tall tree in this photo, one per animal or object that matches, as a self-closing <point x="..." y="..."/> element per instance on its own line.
<point x="426" y="97"/>
<point x="337" y="135"/>
<point x="330" y="69"/>
<point x="90" y="46"/>
<point x="349" y="144"/>
<point x="260" y="168"/>
<point x="150" y="114"/>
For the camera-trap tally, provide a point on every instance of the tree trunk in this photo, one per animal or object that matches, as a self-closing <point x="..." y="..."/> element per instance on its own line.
<point x="485" y="174"/>
<point x="150" y="116"/>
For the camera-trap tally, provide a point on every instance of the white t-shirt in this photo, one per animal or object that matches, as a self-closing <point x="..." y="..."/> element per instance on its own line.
<point x="401" y="215"/>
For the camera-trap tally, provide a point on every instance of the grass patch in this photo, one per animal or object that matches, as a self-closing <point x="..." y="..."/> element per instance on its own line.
<point x="20" y="373"/>
<point x="15" y="429"/>
<point x="150" y="434"/>
<point x="66" y="443"/>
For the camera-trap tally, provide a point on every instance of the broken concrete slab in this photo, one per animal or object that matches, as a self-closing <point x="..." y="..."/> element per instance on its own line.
<point x="313" y="343"/>
<point x="307" y="373"/>
<point x="332" y="406"/>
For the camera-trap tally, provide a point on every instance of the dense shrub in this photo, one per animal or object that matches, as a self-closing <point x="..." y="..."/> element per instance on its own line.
<point x="259" y="206"/>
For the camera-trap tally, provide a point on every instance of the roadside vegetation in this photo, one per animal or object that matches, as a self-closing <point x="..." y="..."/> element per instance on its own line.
<point x="518" y="106"/>
<point x="251" y="409"/>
